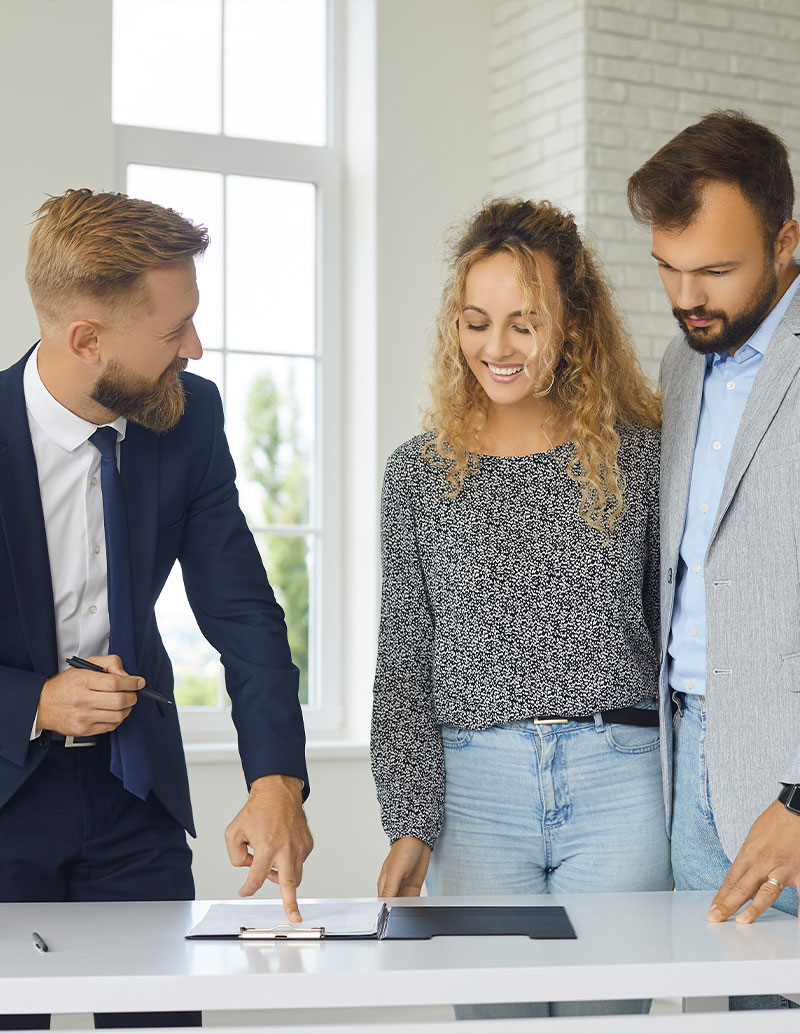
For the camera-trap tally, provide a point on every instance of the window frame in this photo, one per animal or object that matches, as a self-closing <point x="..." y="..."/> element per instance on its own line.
<point x="321" y="166"/>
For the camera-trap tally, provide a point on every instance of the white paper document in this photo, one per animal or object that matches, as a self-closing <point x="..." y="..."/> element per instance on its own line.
<point x="345" y="918"/>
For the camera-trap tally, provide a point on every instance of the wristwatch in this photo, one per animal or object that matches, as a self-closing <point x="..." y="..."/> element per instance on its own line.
<point x="790" y="797"/>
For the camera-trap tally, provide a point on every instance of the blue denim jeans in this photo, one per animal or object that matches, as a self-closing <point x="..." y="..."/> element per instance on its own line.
<point x="698" y="860"/>
<point x="538" y="809"/>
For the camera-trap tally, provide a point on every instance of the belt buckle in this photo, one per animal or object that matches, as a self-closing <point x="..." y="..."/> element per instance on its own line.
<point x="72" y="741"/>
<point x="551" y="721"/>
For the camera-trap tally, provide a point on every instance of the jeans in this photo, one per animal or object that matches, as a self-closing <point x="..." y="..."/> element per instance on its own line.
<point x="698" y="860"/>
<point x="538" y="809"/>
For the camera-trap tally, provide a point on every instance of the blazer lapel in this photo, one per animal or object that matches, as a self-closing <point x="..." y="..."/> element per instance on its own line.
<point x="683" y="394"/>
<point x="139" y="463"/>
<point x="778" y="369"/>
<point x="22" y="522"/>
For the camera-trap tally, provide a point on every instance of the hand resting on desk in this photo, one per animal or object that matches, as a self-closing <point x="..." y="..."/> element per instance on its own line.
<point x="86" y="703"/>
<point x="404" y="869"/>
<point x="273" y="824"/>
<point x="771" y="849"/>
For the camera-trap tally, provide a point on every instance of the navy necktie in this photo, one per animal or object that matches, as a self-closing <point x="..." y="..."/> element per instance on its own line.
<point x="129" y="760"/>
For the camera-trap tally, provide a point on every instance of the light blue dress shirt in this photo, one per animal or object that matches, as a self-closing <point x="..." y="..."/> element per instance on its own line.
<point x="726" y="388"/>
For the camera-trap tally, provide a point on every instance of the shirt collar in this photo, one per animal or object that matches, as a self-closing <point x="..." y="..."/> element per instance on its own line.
<point x="763" y="334"/>
<point x="62" y="426"/>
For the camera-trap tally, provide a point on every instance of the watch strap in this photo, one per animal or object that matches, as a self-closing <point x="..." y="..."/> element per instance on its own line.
<point x="790" y="797"/>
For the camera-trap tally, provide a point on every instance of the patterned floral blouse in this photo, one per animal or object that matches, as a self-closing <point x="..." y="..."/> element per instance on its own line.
<point x="503" y="604"/>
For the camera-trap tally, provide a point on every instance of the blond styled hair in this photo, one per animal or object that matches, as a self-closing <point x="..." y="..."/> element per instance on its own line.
<point x="593" y="376"/>
<point x="99" y="246"/>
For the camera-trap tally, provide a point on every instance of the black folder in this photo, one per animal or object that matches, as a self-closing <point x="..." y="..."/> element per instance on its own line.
<point x="542" y="922"/>
<point x="421" y="922"/>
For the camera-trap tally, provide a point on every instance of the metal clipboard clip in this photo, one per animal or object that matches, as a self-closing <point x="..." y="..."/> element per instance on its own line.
<point x="282" y="932"/>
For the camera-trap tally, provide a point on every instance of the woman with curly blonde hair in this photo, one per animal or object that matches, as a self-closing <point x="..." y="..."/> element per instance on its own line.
<point x="515" y="737"/>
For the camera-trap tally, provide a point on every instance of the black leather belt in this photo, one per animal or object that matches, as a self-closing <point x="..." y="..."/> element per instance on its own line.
<point x="71" y="741"/>
<point x="620" y="715"/>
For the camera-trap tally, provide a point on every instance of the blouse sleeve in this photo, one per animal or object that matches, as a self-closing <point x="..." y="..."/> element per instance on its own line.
<point x="406" y="742"/>
<point x="652" y="586"/>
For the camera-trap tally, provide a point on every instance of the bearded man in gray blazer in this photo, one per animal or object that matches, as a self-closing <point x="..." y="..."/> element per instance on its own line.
<point x="718" y="199"/>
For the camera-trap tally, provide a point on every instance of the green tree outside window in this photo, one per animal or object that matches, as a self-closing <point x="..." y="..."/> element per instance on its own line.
<point x="276" y="458"/>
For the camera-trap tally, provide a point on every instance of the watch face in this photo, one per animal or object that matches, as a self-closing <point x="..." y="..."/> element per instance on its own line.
<point x="793" y="800"/>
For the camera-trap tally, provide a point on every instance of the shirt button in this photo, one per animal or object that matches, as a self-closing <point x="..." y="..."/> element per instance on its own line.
<point x="689" y="684"/>
<point x="693" y="630"/>
<point x="730" y="385"/>
<point x="93" y="481"/>
<point x="92" y="609"/>
<point x="697" y="568"/>
<point x="717" y="445"/>
<point x="704" y="508"/>
<point x="96" y="548"/>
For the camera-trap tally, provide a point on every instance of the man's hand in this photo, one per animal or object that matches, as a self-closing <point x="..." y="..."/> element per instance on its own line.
<point x="770" y="852"/>
<point x="273" y="824"/>
<point x="86" y="703"/>
<point x="403" y="872"/>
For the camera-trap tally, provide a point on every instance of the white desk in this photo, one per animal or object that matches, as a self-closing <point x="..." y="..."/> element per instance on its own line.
<point x="133" y="956"/>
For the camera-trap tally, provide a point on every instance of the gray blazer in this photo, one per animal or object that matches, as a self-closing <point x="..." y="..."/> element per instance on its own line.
<point x="752" y="581"/>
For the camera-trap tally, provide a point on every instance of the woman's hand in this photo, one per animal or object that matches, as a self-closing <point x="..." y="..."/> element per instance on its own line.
<point x="403" y="872"/>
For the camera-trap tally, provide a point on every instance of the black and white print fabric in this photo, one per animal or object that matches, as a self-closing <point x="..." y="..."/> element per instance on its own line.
<point x="504" y="604"/>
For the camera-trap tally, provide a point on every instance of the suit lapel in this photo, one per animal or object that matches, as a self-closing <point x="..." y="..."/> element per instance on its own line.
<point x="778" y="369"/>
<point x="22" y="522"/>
<point x="683" y="394"/>
<point x="139" y="463"/>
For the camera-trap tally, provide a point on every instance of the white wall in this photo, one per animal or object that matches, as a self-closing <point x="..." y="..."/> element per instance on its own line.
<point x="432" y="172"/>
<point x="538" y="101"/>
<point x="55" y="124"/>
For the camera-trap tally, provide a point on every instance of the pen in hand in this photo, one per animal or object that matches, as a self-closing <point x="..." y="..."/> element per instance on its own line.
<point x="39" y="942"/>
<point x="79" y="662"/>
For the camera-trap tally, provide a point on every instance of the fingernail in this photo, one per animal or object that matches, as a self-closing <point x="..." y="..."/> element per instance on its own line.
<point x="714" y="914"/>
<point x="296" y="917"/>
<point x="745" y="917"/>
<point x="140" y="684"/>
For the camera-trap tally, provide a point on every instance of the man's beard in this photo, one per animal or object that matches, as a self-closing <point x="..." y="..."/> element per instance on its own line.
<point x="735" y="330"/>
<point x="157" y="405"/>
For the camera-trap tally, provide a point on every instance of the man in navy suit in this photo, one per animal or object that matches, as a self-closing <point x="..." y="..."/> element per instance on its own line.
<point x="94" y="796"/>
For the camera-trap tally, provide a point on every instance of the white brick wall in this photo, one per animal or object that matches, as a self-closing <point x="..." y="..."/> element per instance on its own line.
<point x="539" y="101"/>
<point x="636" y="72"/>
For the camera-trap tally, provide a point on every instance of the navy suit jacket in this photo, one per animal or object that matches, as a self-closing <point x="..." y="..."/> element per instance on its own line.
<point x="182" y="504"/>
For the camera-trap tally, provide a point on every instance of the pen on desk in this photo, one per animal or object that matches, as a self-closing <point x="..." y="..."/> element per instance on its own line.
<point x="39" y="942"/>
<point x="79" y="662"/>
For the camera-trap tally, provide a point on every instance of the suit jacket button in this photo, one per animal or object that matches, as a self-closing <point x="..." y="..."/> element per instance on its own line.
<point x="44" y="741"/>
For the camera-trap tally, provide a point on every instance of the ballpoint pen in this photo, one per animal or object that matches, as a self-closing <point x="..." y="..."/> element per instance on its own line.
<point x="80" y="662"/>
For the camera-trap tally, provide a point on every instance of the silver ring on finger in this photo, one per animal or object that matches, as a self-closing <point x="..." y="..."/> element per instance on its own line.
<point x="774" y="882"/>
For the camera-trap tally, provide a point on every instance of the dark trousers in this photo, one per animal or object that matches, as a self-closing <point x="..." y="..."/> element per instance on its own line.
<point x="72" y="833"/>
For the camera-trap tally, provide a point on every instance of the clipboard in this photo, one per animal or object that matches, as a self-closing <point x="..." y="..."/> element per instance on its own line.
<point x="419" y="923"/>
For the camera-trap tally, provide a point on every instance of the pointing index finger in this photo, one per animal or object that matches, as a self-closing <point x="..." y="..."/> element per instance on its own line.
<point x="288" y="881"/>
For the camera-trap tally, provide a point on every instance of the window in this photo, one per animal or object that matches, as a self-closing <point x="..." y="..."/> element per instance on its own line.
<point x="226" y="111"/>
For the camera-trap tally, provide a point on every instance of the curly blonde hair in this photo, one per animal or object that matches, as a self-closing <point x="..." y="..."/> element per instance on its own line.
<point x="593" y="377"/>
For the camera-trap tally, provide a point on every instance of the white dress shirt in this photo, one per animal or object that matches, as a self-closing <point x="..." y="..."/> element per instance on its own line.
<point x="68" y="467"/>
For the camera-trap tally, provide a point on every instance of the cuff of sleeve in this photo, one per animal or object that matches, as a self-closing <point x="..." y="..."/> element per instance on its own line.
<point x="425" y="832"/>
